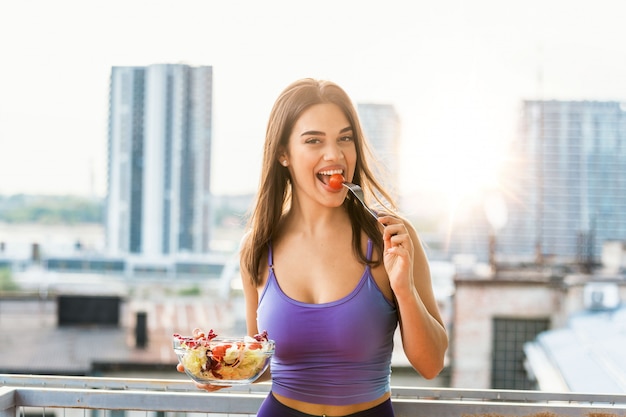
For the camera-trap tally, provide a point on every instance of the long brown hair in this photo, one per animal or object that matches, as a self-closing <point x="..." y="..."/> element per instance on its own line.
<point x="274" y="196"/>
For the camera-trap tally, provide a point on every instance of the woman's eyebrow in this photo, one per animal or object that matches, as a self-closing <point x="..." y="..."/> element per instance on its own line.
<point x="313" y="132"/>
<point x="320" y="133"/>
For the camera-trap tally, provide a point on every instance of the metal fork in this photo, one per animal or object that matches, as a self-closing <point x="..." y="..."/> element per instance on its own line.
<point x="358" y="193"/>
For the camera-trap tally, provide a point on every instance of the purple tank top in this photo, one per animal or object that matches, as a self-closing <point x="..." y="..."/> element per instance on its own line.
<point x="335" y="353"/>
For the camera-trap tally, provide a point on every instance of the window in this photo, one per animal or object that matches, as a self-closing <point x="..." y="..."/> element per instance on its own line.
<point x="507" y="363"/>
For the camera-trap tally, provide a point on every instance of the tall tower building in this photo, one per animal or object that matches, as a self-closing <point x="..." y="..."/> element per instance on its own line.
<point x="159" y="153"/>
<point x="381" y="125"/>
<point x="568" y="194"/>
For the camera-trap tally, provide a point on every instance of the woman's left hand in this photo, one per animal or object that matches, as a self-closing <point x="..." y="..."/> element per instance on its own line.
<point x="206" y="387"/>
<point x="398" y="253"/>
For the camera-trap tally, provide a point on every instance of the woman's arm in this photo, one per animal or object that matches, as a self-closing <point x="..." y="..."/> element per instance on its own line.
<point x="251" y="298"/>
<point x="424" y="337"/>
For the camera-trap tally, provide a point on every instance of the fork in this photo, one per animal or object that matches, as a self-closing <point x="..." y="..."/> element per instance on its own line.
<point x="357" y="191"/>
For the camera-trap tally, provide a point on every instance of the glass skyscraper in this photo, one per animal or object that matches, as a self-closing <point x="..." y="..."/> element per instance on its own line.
<point x="567" y="189"/>
<point x="159" y="159"/>
<point x="564" y="187"/>
<point x="381" y="125"/>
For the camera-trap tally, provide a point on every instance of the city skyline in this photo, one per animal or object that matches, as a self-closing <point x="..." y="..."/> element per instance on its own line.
<point x="456" y="74"/>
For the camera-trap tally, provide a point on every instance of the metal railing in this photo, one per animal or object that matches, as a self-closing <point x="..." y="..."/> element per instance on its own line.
<point x="47" y="396"/>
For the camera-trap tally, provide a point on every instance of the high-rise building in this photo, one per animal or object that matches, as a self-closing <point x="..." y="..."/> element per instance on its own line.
<point x="159" y="153"/>
<point x="381" y="125"/>
<point x="568" y="190"/>
<point x="563" y="189"/>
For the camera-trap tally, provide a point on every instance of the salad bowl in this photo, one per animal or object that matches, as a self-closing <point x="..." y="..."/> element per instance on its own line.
<point x="225" y="361"/>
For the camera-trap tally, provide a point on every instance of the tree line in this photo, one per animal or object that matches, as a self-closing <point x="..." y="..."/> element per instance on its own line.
<point x="22" y="208"/>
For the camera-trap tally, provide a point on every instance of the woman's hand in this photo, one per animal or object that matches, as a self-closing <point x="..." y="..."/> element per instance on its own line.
<point x="398" y="253"/>
<point x="206" y="387"/>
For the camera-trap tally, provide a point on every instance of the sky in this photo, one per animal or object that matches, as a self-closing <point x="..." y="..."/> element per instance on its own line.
<point x="456" y="71"/>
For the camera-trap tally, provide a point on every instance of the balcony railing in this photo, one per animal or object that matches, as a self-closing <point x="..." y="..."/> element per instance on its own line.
<point x="47" y="396"/>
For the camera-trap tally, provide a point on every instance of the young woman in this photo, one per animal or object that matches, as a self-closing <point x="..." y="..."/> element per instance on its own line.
<point x="327" y="280"/>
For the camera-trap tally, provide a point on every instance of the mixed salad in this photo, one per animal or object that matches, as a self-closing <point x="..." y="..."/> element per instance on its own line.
<point x="209" y="358"/>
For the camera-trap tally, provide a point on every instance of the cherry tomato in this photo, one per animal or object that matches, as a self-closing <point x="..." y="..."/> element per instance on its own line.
<point x="219" y="351"/>
<point x="335" y="182"/>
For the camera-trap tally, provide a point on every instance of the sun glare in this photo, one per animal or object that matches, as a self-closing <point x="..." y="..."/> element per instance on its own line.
<point x="466" y="173"/>
<point x="465" y="178"/>
<point x="468" y="156"/>
<point x="465" y="158"/>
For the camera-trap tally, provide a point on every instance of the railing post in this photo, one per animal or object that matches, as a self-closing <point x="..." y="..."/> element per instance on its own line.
<point x="7" y="402"/>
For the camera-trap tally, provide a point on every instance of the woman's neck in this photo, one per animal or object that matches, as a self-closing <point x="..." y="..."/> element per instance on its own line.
<point x="315" y="220"/>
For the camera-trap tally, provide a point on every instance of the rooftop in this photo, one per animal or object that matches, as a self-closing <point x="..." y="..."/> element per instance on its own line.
<point x="585" y="356"/>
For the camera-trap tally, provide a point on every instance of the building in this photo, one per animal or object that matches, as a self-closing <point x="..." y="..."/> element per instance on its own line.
<point x="569" y="180"/>
<point x="563" y="188"/>
<point x="538" y="329"/>
<point x="586" y="355"/>
<point x="159" y="153"/>
<point x="381" y="125"/>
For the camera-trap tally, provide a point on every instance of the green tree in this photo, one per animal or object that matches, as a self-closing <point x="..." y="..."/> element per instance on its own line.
<point x="50" y="209"/>
<point x="6" y="281"/>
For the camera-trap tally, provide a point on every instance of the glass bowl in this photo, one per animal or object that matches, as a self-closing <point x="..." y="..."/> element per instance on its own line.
<point x="225" y="361"/>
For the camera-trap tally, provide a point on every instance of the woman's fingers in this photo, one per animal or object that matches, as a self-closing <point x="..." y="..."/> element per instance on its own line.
<point x="206" y="387"/>
<point x="395" y="231"/>
<point x="400" y="240"/>
<point x="209" y="387"/>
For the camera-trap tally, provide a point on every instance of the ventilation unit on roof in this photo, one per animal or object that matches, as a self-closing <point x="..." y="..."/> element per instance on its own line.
<point x="601" y="296"/>
<point x="88" y="310"/>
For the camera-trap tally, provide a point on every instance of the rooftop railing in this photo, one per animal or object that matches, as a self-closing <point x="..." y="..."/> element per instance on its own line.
<point x="50" y="396"/>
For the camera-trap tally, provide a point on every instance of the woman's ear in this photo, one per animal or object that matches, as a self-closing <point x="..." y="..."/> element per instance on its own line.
<point x="282" y="158"/>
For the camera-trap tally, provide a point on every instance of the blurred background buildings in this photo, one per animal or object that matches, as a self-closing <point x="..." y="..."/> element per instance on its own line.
<point x="568" y="185"/>
<point x="561" y="199"/>
<point x="382" y="127"/>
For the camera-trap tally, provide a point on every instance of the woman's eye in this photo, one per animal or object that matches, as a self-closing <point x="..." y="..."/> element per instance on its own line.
<point x="346" y="139"/>
<point x="312" y="140"/>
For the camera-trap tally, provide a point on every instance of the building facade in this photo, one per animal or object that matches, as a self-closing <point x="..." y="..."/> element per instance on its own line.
<point x="497" y="317"/>
<point x="563" y="188"/>
<point x="381" y="125"/>
<point x="159" y="153"/>
<point x="569" y="182"/>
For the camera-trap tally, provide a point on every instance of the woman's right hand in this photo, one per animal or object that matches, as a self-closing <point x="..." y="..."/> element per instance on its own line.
<point x="206" y="387"/>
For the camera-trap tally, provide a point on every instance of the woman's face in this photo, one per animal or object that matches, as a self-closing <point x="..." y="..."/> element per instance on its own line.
<point x="321" y="144"/>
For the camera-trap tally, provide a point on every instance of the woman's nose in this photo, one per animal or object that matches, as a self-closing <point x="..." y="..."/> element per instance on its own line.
<point x="333" y="153"/>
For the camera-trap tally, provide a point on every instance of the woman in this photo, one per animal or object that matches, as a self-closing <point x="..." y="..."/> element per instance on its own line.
<point x="328" y="281"/>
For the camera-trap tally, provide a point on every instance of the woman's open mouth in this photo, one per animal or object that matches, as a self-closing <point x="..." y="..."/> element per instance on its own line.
<point x="324" y="176"/>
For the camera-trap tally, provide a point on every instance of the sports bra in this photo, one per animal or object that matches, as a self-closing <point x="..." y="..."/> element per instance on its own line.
<point x="336" y="353"/>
